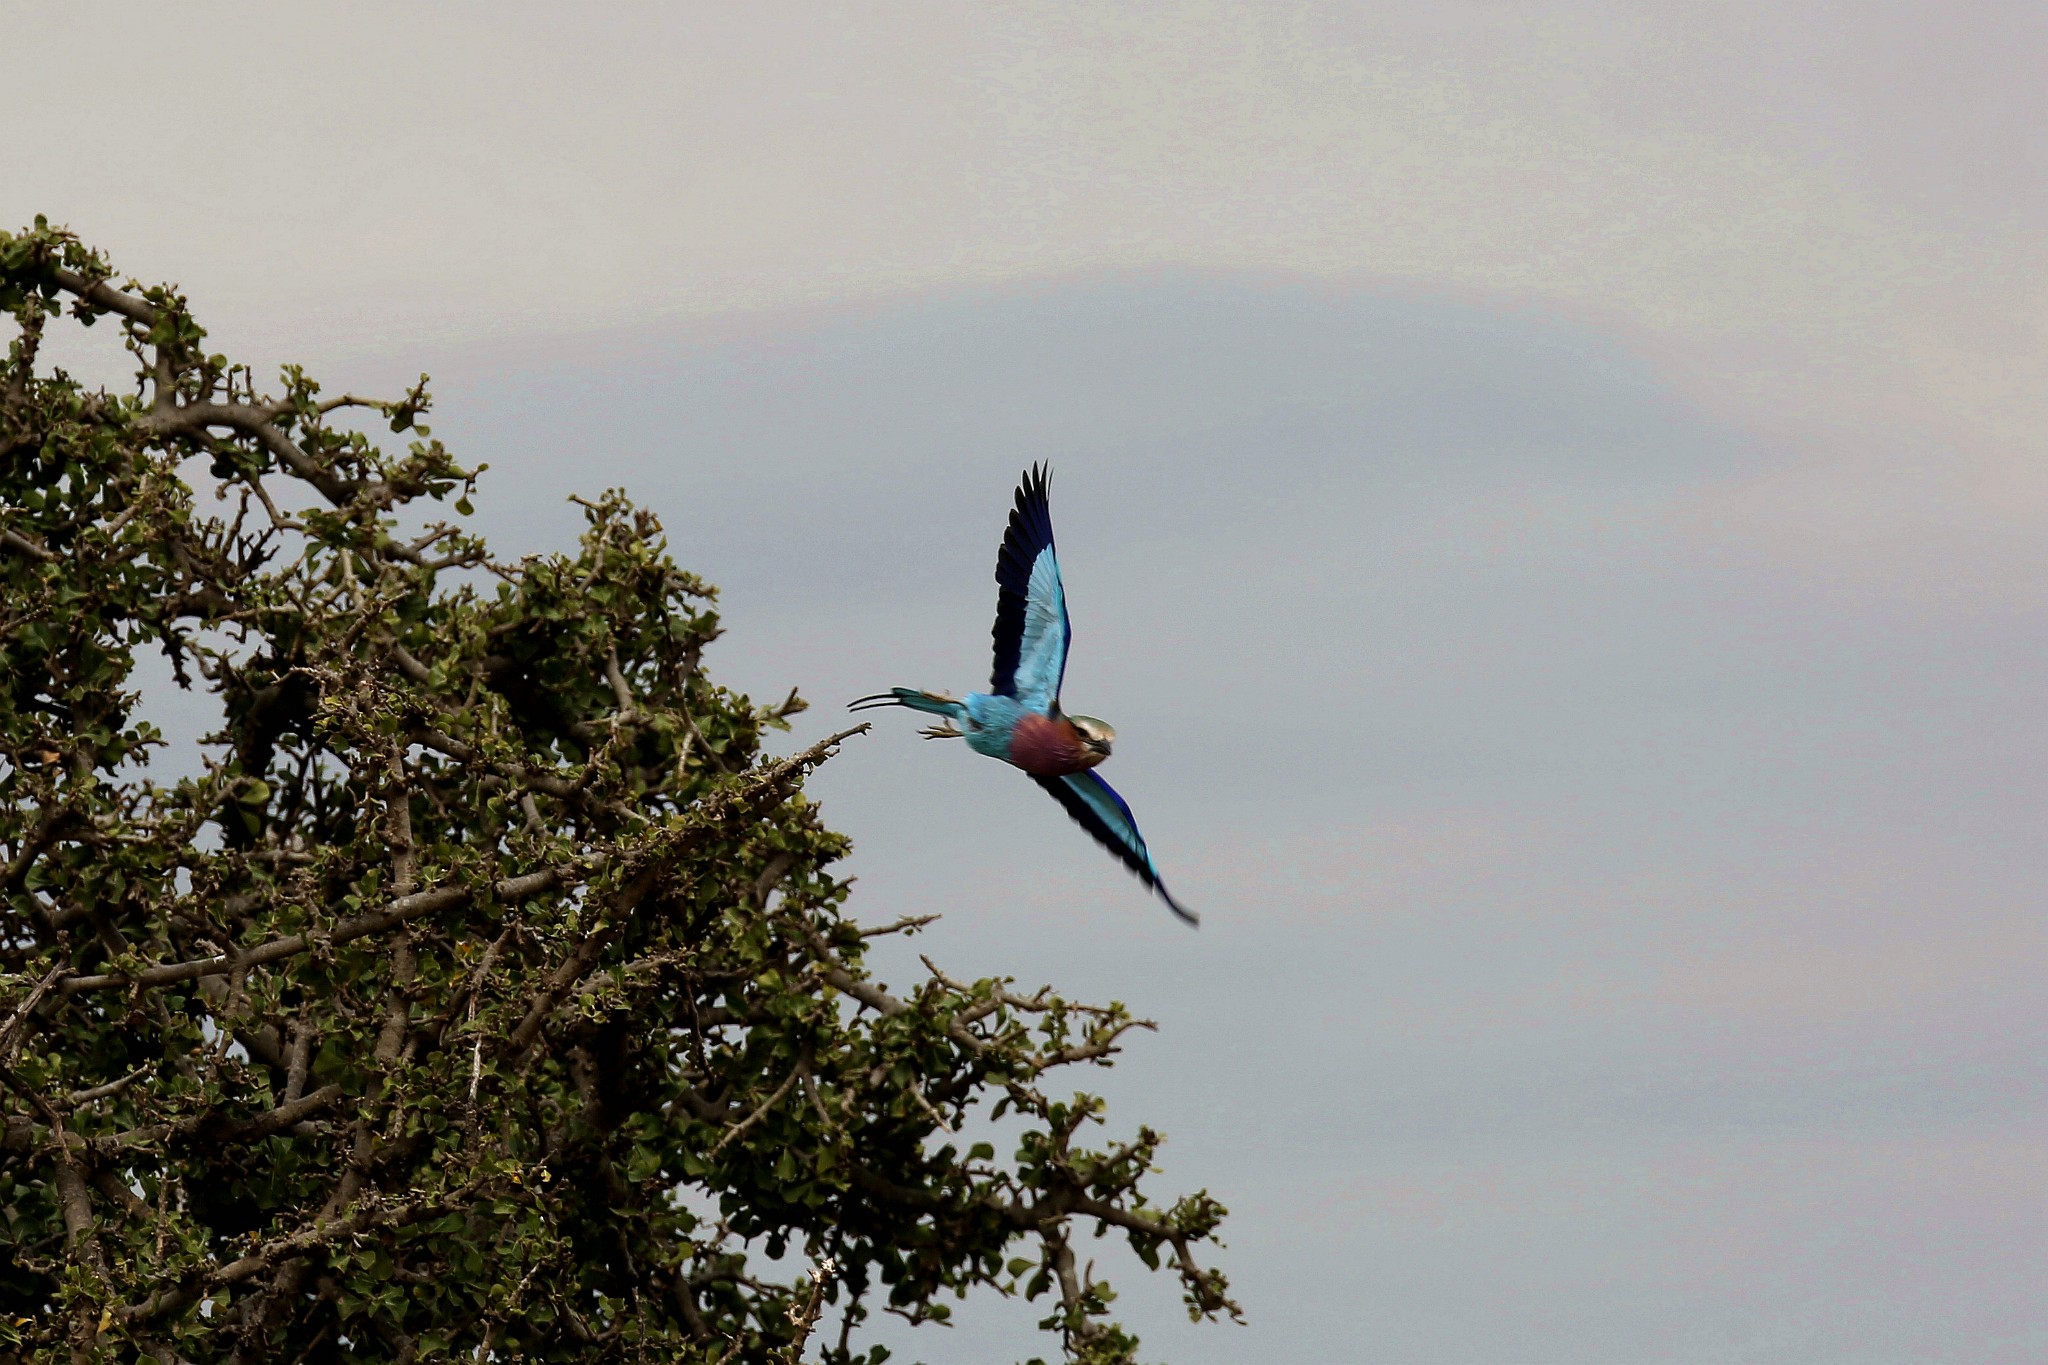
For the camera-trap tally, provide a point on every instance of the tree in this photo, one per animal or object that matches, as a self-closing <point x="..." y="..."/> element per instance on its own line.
<point x="484" y="988"/>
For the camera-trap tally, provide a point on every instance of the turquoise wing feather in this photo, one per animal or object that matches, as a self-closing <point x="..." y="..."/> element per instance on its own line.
<point x="1032" y="632"/>
<point x="1097" y="808"/>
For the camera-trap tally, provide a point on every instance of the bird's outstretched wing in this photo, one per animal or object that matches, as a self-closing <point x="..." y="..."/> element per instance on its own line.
<point x="1031" y="631"/>
<point x="1097" y="808"/>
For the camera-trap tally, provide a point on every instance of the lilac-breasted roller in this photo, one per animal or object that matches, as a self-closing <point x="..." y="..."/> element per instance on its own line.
<point x="1019" y="719"/>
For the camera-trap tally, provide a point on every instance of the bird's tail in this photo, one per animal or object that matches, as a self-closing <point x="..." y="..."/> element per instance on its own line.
<point x="932" y="703"/>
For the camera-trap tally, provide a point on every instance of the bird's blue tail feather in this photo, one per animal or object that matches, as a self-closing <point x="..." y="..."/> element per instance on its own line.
<point x="929" y="702"/>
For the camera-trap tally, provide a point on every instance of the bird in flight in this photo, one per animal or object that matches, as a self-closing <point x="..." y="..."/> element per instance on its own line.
<point x="1019" y="719"/>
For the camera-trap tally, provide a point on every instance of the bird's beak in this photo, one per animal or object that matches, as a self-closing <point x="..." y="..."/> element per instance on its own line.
<point x="1100" y="746"/>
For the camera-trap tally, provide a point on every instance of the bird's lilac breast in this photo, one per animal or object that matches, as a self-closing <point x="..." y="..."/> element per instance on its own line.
<point x="1046" y="747"/>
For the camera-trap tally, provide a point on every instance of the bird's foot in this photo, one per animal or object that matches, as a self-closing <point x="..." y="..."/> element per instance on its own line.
<point x="943" y="730"/>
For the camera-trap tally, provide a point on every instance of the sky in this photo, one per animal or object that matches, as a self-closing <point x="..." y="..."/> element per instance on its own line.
<point x="1551" y="497"/>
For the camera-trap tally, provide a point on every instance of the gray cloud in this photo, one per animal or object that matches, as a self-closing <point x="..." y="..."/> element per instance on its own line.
<point x="1821" y="209"/>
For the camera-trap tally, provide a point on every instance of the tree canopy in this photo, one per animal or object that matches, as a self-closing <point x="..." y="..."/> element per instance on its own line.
<point x="482" y="987"/>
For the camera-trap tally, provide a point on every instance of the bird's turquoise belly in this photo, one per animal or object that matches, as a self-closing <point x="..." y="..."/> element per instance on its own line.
<point x="989" y="723"/>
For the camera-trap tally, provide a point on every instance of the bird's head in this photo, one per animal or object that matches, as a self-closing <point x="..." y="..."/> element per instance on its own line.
<point x="1096" y="737"/>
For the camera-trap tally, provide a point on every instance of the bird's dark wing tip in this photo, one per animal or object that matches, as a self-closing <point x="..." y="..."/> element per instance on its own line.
<point x="1127" y="844"/>
<point x="1031" y="516"/>
<point x="1034" y="483"/>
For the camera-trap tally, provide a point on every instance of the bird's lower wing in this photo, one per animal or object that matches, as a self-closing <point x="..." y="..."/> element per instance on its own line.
<point x="1097" y="808"/>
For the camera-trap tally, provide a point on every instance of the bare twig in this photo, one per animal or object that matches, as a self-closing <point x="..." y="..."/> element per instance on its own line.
<point x="805" y="1319"/>
<point x="11" y="1035"/>
<point x="905" y="925"/>
<point x="760" y="1112"/>
<point x="100" y="1092"/>
<point x="917" y="1093"/>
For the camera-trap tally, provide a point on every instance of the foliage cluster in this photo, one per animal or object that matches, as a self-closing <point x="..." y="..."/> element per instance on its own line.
<point x="483" y="988"/>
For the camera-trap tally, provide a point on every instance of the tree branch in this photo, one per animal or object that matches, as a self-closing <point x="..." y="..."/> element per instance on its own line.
<point x="393" y="913"/>
<point x="364" y="1216"/>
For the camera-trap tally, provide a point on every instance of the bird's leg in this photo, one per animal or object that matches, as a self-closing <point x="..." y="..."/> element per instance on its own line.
<point x="943" y="730"/>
